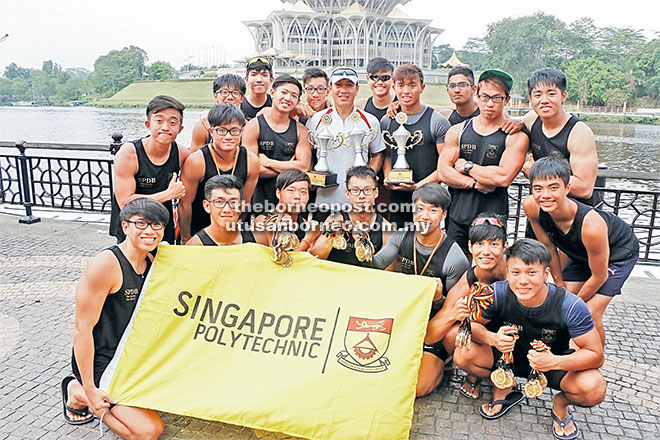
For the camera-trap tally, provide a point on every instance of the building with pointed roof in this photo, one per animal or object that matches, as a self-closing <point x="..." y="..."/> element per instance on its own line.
<point x="330" y="33"/>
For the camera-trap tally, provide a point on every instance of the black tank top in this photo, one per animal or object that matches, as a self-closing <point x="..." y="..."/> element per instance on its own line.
<point x="369" y="107"/>
<point x="622" y="241"/>
<point x="200" y="218"/>
<point x="277" y="146"/>
<point x="422" y="158"/>
<point x="116" y="312"/>
<point x="150" y="179"/>
<point x="347" y="255"/>
<point x="557" y="145"/>
<point x="251" y="111"/>
<point x="548" y="327"/>
<point x="466" y="204"/>
<point x="435" y="269"/>
<point x="206" y="239"/>
<point x="456" y="118"/>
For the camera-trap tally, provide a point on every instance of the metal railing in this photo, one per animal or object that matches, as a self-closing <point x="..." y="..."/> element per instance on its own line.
<point x="41" y="175"/>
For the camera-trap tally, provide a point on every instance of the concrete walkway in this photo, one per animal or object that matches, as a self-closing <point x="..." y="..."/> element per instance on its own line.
<point x="42" y="262"/>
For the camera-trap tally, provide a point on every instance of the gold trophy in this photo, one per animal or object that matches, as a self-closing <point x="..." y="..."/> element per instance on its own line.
<point x="359" y="139"/>
<point x="401" y="139"/>
<point x="321" y="175"/>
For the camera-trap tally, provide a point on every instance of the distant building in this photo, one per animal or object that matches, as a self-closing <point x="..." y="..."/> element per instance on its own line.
<point x="343" y="33"/>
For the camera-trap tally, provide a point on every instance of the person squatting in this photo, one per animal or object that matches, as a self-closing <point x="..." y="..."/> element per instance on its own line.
<point x="530" y="309"/>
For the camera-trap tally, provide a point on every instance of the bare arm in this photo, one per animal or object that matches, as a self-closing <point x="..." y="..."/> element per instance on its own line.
<point x="200" y="134"/>
<point x="253" y="167"/>
<point x="511" y="162"/>
<point x="589" y="355"/>
<point x="376" y="161"/>
<point x="323" y="245"/>
<point x="194" y="241"/>
<point x="250" y="140"/>
<point x="448" y="157"/>
<point x="300" y="161"/>
<point x="532" y="210"/>
<point x="595" y="239"/>
<point x="191" y="174"/>
<point x="583" y="160"/>
<point x="454" y="309"/>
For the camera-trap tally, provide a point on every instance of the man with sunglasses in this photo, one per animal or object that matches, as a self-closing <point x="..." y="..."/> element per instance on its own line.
<point x="223" y="201"/>
<point x="479" y="160"/>
<point x="361" y="190"/>
<point x="259" y="77"/>
<point x="106" y="296"/>
<point x="229" y="89"/>
<point x="422" y="157"/>
<point x="223" y="155"/>
<point x="279" y="141"/>
<point x="344" y="88"/>
<point x="380" y="78"/>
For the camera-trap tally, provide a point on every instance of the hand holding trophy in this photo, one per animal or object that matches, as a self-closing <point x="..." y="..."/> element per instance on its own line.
<point x="323" y="141"/>
<point x="401" y="139"/>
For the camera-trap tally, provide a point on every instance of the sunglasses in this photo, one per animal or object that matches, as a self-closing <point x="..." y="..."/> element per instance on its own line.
<point x="492" y="220"/>
<point x="255" y="59"/>
<point x="383" y="78"/>
<point x="344" y="71"/>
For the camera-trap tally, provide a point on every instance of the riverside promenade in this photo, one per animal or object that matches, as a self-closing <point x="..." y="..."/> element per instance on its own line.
<point x="42" y="262"/>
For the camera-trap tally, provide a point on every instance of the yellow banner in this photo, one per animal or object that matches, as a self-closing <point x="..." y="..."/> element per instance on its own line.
<point x="318" y="350"/>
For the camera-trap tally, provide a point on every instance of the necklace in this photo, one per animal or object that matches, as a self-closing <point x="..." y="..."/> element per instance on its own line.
<point x="435" y="248"/>
<point x="215" y="162"/>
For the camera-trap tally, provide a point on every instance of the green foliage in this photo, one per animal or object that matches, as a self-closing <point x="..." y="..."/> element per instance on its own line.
<point x="118" y="68"/>
<point x="440" y="54"/>
<point x="161" y="71"/>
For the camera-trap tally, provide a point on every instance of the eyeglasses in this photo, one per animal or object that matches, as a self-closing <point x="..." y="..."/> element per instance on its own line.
<point x="319" y="90"/>
<point x="492" y="220"/>
<point x="221" y="131"/>
<point x="224" y="93"/>
<point x="221" y="203"/>
<point x="357" y="191"/>
<point x="460" y="85"/>
<point x="143" y="224"/>
<point x="383" y="78"/>
<point x="496" y="99"/>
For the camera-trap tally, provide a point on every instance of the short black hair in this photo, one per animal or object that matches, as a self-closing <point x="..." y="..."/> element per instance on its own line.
<point x="434" y="194"/>
<point x="529" y="251"/>
<point x="547" y="76"/>
<point x="149" y="209"/>
<point x="289" y="177"/>
<point x="487" y="231"/>
<point x="258" y="64"/>
<point x="314" y="72"/>
<point x="362" y="172"/>
<point x="222" y="181"/>
<point x="550" y="167"/>
<point x="287" y="79"/>
<point x="461" y="70"/>
<point x="380" y="64"/>
<point x="229" y="79"/>
<point x="225" y="113"/>
<point x="162" y="102"/>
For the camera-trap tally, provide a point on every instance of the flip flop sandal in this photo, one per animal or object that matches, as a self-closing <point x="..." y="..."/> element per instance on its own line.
<point x="511" y="400"/>
<point x="82" y="412"/>
<point x="474" y="386"/>
<point x="562" y="424"/>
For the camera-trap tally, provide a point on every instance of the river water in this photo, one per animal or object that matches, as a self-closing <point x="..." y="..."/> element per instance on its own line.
<point x="630" y="147"/>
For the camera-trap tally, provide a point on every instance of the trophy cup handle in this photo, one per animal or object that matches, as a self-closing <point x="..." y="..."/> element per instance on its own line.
<point x="414" y="139"/>
<point x="389" y="139"/>
<point x="339" y="139"/>
<point x="313" y="139"/>
<point x="369" y="136"/>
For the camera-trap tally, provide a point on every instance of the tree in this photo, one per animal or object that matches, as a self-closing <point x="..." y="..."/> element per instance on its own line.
<point x="117" y="69"/>
<point x="596" y="82"/>
<point x="13" y="71"/>
<point x="440" y="54"/>
<point x="51" y="68"/>
<point x="161" y="71"/>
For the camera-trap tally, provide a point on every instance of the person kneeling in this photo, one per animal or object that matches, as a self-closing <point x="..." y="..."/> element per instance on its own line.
<point x="106" y="296"/>
<point x="537" y="312"/>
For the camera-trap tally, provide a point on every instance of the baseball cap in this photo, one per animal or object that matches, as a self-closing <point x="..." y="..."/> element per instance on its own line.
<point x="497" y="73"/>
<point x="343" y="72"/>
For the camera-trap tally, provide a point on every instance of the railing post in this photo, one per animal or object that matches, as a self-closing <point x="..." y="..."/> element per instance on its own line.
<point x="601" y="181"/>
<point x="27" y="196"/>
<point x="114" y="146"/>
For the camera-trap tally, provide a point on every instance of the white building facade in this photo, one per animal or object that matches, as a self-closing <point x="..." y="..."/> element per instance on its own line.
<point x="330" y="33"/>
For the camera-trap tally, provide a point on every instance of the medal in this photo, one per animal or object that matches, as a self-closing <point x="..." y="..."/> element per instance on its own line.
<point x="536" y="382"/>
<point x="480" y="297"/>
<point x="283" y="242"/>
<point x="503" y="377"/>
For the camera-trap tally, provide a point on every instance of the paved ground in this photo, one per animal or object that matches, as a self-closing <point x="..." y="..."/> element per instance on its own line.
<point x="41" y="263"/>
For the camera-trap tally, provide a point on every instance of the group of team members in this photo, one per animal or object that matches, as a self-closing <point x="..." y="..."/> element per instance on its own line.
<point x="256" y="148"/>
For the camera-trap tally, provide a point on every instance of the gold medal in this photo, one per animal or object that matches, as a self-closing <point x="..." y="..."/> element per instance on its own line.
<point x="499" y="378"/>
<point x="543" y="381"/>
<point x="530" y="390"/>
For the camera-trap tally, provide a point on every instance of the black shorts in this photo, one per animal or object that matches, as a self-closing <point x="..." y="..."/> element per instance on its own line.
<point x="522" y="369"/>
<point x="100" y="364"/>
<point x="438" y="350"/>
<point x="617" y="273"/>
<point x="459" y="233"/>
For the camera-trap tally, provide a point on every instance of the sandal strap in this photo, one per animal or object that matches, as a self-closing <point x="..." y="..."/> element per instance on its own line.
<point x="474" y="384"/>
<point x="562" y="423"/>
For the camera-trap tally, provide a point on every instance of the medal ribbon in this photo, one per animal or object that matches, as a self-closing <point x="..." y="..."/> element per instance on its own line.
<point x="435" y="248"/>
<point x="480" y="297"/>
<point x="508" y="356"/>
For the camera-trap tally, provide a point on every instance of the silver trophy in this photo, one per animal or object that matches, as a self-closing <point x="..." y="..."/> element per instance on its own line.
<point x="401" y="139"/>
<point x="324" y="141"/>
<point x="360" y="138"/>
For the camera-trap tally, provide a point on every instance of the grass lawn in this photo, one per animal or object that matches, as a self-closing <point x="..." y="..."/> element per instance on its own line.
<point x="198" y="94"/>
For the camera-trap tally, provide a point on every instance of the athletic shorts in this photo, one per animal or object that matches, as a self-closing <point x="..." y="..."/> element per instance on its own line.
<point x="100" y="364"/>
<point x="459" y="233"/>
<point x="438" y="350"/>
<point x="617" y="272"/>
<point x="522" y="369"/>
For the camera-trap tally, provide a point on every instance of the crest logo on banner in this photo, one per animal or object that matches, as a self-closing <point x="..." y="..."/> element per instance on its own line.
<point x="365" y="343"/>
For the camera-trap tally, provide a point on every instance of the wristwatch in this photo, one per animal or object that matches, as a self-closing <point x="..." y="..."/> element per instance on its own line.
<point x="467" y="167"/>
